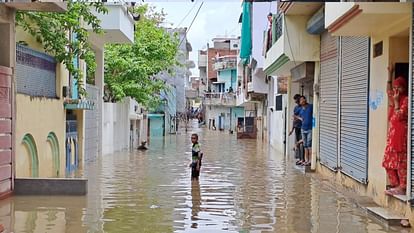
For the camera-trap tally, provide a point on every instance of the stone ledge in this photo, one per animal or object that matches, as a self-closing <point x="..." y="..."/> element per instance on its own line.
<point x="386" y="215"/>
<point x="51" y="186"/>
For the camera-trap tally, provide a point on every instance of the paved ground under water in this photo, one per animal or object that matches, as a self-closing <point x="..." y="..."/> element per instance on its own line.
<point x="244" y="187"/>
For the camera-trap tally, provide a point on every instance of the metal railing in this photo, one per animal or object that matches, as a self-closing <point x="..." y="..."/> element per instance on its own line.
<point x="220" y="98"/>
<point x="71" y="127"/>
<point x="225" y="62"/>
<point x="277" y="27"/>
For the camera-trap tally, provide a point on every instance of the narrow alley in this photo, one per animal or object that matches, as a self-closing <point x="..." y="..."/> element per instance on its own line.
<point x="243" y="187"/>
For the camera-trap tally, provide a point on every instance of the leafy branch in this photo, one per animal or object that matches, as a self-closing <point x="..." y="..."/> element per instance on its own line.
<point x="131" y="69"/>
<point x="54" y="31"/>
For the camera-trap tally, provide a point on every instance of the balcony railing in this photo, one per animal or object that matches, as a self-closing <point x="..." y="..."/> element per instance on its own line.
<point x="277" y="27"/>
<point x="228" y="99"/>
<point x="225" y="63"/>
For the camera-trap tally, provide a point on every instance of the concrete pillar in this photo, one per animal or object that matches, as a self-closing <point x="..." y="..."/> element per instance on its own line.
<point x="8" y="38"/>
<point x="99" y="82"/>
<point x="315" y="129"/>
<point x="8" y="61"/>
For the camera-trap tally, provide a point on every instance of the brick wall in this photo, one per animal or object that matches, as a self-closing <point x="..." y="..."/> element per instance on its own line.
<point x="211" y="53"/>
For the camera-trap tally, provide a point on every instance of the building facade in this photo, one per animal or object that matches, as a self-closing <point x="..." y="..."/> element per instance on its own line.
<point x="219" y="100"/>
<point x="9" y="139"/>
<point x="253" y="83"/>
<point x="332" y="54"/>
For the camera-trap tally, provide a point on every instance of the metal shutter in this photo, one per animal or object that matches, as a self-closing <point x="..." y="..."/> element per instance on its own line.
<point x="328" y="115"/>
<point x="354" y="107"/>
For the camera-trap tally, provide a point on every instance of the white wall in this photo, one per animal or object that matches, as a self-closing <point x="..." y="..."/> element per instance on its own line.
<point x="276" y="120"/>
<point x="260" y="23"/>
<point x="259" y="82"/>
<point x="214" y="113"/>
<point x="116" y="127"/>
<point x="116" y="121"/>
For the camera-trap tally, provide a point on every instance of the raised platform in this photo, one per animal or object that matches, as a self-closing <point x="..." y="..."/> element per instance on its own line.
<point x="386" y="216"/>
<point x="51" y="186"/>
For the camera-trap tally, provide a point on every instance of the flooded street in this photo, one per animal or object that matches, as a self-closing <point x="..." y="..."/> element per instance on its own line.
<point x="244" y="187"/>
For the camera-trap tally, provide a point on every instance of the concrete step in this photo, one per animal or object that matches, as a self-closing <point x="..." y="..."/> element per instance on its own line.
<point x="51" y="186"/>
<point x="386" y="216"/>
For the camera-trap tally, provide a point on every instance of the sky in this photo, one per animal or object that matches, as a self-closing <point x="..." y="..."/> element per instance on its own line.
<point x="215" y="18"/>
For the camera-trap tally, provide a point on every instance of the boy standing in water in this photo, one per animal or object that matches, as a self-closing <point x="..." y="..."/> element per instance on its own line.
<point x="196" y="157"/>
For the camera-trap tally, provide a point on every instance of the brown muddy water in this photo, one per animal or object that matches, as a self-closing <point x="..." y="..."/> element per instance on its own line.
<point x="244" y="187"/>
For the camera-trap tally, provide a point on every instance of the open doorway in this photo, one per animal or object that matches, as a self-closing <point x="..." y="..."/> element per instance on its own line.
<point x="396" y="156"/>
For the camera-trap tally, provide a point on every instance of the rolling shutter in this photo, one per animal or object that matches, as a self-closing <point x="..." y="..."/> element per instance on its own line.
<point x="328" y="115"/>
<point x="354" y="107"/>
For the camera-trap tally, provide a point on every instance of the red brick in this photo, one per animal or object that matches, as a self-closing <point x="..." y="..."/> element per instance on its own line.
<point x="5" y="110"/>
<point x="5" y="126"/>
<point x="5" y="157"/>
<point x="5" y="187"/>
<point x="5" y="172"/>
<point x="5" y="142"/>
<point x="211" y="53"/>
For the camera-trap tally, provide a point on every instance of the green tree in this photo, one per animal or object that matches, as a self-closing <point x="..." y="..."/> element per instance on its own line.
<point x="131" y="69"/>
<point x="54" y="30"/>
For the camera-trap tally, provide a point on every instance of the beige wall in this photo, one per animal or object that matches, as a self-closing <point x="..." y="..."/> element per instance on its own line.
<point x="334" y="10"/>
<point x="395" y="49"/>
<point x="39" y="117"/>
<point x="299" y="44"/>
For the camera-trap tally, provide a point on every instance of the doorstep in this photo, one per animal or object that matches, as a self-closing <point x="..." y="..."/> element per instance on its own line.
<point x="386" y="216"/>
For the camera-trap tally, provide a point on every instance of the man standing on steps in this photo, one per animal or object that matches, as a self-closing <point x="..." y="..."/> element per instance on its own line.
<point x="306" y="117"/>
<point x="296" y="127"/>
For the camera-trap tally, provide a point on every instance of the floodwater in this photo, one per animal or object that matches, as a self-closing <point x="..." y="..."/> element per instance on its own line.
<point x="244" y="187"/>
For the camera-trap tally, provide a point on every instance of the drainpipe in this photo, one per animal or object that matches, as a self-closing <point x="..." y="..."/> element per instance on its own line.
<point x="315" y="127"/>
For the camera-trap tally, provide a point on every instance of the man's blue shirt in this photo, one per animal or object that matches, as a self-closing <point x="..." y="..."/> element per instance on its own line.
<point x="307" y="115"/>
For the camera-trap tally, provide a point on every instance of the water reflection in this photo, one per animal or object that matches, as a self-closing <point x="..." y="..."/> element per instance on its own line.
<point x="196" y="202"/>
<point x="243" y="187"/>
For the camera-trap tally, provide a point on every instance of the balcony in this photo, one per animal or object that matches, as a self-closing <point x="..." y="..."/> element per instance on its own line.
<point x="118" y="26"/>
<point x="191" y="94"/>
<point x="291" y="47"/>
<point x="79" y="104"/>
<point x="220" y="99"/>
<point x="39" y="5"/>
<point x="225" y="62"/>
<point x="202" y="59"/>
<point x="362" y="19"/>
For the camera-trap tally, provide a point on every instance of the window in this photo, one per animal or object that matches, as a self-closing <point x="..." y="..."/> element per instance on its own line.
<point x="35" y="73"/>
<point x="279" y="103"/>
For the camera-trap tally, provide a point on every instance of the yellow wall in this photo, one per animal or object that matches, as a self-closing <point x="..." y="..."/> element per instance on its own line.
<point x="39" y="117"/>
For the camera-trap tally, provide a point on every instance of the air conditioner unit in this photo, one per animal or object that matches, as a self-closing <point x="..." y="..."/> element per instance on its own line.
<point x="234" y="44"/>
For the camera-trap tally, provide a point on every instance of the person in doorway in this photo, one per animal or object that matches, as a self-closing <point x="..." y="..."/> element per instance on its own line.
<point x="296" y="127"/>
<point x="143" y="146"/>
<point x="196" y="156"/>
<point x="395" y="156"/>
<point x="306" y="117"/>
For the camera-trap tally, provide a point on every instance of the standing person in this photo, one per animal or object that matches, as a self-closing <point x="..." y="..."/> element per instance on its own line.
<point x="395" y="156"/>
<point x="196" y="157"/>
<point x="269" y="31"/>
<point x="306" y="116"/>
<point x="296" y="127"/>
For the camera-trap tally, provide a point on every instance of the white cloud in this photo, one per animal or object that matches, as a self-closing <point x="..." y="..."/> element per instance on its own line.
<point x="215" y="18"/>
